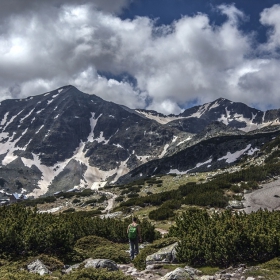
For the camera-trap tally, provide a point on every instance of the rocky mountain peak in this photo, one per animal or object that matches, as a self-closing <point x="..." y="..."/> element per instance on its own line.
<point x="66" y="139"/>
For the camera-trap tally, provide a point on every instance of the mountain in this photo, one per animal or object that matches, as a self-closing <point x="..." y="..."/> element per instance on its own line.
<point x="68" y="139"/>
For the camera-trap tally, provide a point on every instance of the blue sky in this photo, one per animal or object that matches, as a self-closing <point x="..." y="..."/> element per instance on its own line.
<point x="166" y="11"/>
<point x="163" y="55"/>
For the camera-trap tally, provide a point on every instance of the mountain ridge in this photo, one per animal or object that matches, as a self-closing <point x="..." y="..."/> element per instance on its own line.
<point x="66" y="139"/>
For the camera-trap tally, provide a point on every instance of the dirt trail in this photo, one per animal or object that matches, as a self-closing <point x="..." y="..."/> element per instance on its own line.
<point x="267" y="197"/>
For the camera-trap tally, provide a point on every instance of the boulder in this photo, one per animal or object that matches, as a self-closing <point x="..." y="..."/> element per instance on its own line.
<point x="177" y="274"/>
<point x="164" y="255"/>
<point x="38" y="267"/>
<point x="101" y="263"/>
<point x="192" y="271"/>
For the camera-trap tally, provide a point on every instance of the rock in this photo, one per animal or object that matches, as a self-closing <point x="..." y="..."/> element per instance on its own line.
<point x="38" y="267"/>
<point x="236" y="204"/>
<point x="164" y="255"/>
<point x="177" y="274"/>
<point x="101" y="263"/>
<point x="69" y="269"/>
<point x="192" y="271"/>
<point x="139" y="275"/>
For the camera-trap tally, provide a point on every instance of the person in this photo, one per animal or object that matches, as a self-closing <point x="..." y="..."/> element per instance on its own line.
<point x="134" y="235"/>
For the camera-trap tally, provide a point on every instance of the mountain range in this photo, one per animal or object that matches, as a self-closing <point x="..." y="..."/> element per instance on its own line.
<point x="67" y="139"/>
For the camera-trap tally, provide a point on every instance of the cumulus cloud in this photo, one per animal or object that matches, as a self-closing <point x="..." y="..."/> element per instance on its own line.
<point x="271" y="17"/>
<point x="45" y="46"/>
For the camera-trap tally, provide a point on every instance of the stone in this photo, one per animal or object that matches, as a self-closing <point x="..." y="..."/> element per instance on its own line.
<point x="101" y="263"/>
<point x="164" y="255"/>
<point x="70" y="268"/>
<point x="192" y="271"/>
<point x="38" y="267"/>
<point x="177" y="274"/>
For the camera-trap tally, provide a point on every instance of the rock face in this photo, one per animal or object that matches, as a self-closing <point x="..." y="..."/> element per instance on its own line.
<point x="164" y="255"/>
<point x="66" y="138"/>
<point x="208" y="155"/>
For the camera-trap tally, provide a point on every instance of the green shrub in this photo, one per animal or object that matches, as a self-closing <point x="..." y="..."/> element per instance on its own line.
<point x="90" y="201"/>
<point x="119" y="199"/>
<point x="226" y="238"/>
<point x="50" y="262"/>
<point x="140" y="260"/>
<point x="113" y="252"/>
<point x="101" y="248"/>
<point x="162" y="213"/>
<point x="76" y="200"/>
<point x="91" y="242"/>
<point x="132" y="195"/>
<point x="273" y="264"/>
<point x="85" y="192"/>
<point x="69" y="210"/>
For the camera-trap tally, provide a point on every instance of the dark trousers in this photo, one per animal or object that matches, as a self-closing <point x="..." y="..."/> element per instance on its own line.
<point x="134" y="249"/>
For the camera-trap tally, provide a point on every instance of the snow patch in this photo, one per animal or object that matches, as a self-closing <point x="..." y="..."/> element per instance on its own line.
<point x="4" y="120"/>
<point x="203" y="163"/>
<point x="118" y="145"/>
<point x="97" y="185"/>
<point x="174" y="139"/>
<point x="93" y="123"/>
<point x="164" y="151"/>
<point x="53" y="210"/>
<point x="202" y="109"/>
<point x="38" y="112"/>
<point x="229" y="157"/>
<point x="216" y="104"/>
<point x="158" y="118"/>
<point x="11" y="120"/>
<point x="9" y="147"/>
<point x="39" y="129"/>
<point x="188" y="139"/>
<point x="176" y="171"/>
<point x="21" y="121"/>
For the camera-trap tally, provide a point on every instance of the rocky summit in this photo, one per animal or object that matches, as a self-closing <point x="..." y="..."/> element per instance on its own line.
<point x="67" y="139"/>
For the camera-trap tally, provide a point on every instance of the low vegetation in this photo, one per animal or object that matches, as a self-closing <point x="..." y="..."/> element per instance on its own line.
<point x="226" y="238"/>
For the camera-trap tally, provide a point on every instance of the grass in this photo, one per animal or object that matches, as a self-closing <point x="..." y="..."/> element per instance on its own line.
<point x="259" y="272"/>
<point x="208" y="270"/>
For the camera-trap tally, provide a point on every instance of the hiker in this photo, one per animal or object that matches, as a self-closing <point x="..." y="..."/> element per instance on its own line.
<point x="134" y="235"/>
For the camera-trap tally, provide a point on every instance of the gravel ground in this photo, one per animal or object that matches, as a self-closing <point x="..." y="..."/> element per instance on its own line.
<point x="268" y="197"/>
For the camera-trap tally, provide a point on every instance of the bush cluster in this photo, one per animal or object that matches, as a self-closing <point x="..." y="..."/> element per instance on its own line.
<point x="25" y="231"/>
<point x="226" y="238"/>
<point x="166" y="210"/>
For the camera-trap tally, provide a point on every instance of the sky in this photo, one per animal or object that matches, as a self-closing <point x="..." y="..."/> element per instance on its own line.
<point x="163" y="55"/>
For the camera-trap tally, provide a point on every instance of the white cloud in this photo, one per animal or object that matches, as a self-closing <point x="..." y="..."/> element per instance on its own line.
<point x="45" y="46"/>
<point x="271" y="17"/>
